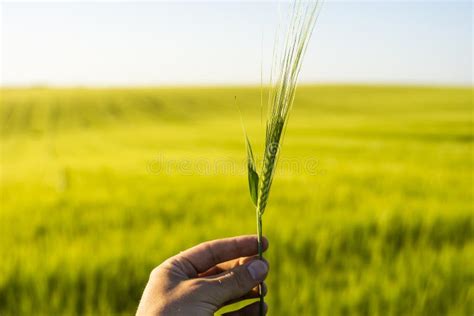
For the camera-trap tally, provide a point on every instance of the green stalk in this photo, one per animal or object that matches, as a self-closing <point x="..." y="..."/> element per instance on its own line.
<point x="260" y="255"/>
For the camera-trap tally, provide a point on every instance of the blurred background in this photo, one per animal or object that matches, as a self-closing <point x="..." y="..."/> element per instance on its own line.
<point x="121" y="146"/>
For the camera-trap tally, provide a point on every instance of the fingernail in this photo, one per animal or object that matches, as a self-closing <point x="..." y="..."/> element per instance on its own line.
<point x="257" y="269"/>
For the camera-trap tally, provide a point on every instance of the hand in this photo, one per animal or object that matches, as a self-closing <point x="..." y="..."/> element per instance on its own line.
<point x="202" y="279"/>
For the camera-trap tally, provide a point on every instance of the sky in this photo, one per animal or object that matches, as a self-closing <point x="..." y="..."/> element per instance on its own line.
<point x="111" y="43"/>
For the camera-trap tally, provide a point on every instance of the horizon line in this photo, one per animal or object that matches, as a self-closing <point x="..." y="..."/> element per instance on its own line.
<point x="239" y="85"/>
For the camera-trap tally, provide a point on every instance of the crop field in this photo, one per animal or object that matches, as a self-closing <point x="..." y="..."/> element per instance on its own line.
<point x="371" y="211"/>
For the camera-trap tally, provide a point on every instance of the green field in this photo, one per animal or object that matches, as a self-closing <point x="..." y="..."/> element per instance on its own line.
<point x="371" y="211"/>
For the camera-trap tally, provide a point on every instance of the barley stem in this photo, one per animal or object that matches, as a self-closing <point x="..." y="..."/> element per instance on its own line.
<point x="260" y="255"/>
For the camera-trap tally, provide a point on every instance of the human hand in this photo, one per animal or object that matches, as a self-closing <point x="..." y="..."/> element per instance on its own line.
<point x="202" y="279"/>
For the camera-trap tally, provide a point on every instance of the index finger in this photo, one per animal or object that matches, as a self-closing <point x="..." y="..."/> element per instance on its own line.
<point x="206" y="255"/>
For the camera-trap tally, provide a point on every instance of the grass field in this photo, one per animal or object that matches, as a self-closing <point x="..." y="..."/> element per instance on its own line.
<point x="371" y="211"/>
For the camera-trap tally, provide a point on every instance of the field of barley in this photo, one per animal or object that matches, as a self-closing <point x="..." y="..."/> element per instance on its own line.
<point x="371" y="211"/>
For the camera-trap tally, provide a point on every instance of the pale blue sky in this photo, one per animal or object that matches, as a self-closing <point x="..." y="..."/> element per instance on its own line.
<point x="168" y="43"/>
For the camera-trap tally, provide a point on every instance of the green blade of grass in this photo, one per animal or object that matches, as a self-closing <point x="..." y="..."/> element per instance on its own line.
<point x="253" y="177"/>
<point x="252" y="172"/>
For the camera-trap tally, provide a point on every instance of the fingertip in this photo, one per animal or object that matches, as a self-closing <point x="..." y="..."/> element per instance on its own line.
<point x="248" y="260"/>
<point x="258" y="270"/>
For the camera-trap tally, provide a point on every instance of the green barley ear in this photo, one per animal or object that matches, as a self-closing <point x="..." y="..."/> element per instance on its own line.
<point x="284" y="78"/>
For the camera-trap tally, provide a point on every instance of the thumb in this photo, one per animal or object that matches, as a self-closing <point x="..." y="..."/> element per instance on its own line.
<point x="236" y="282"/>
